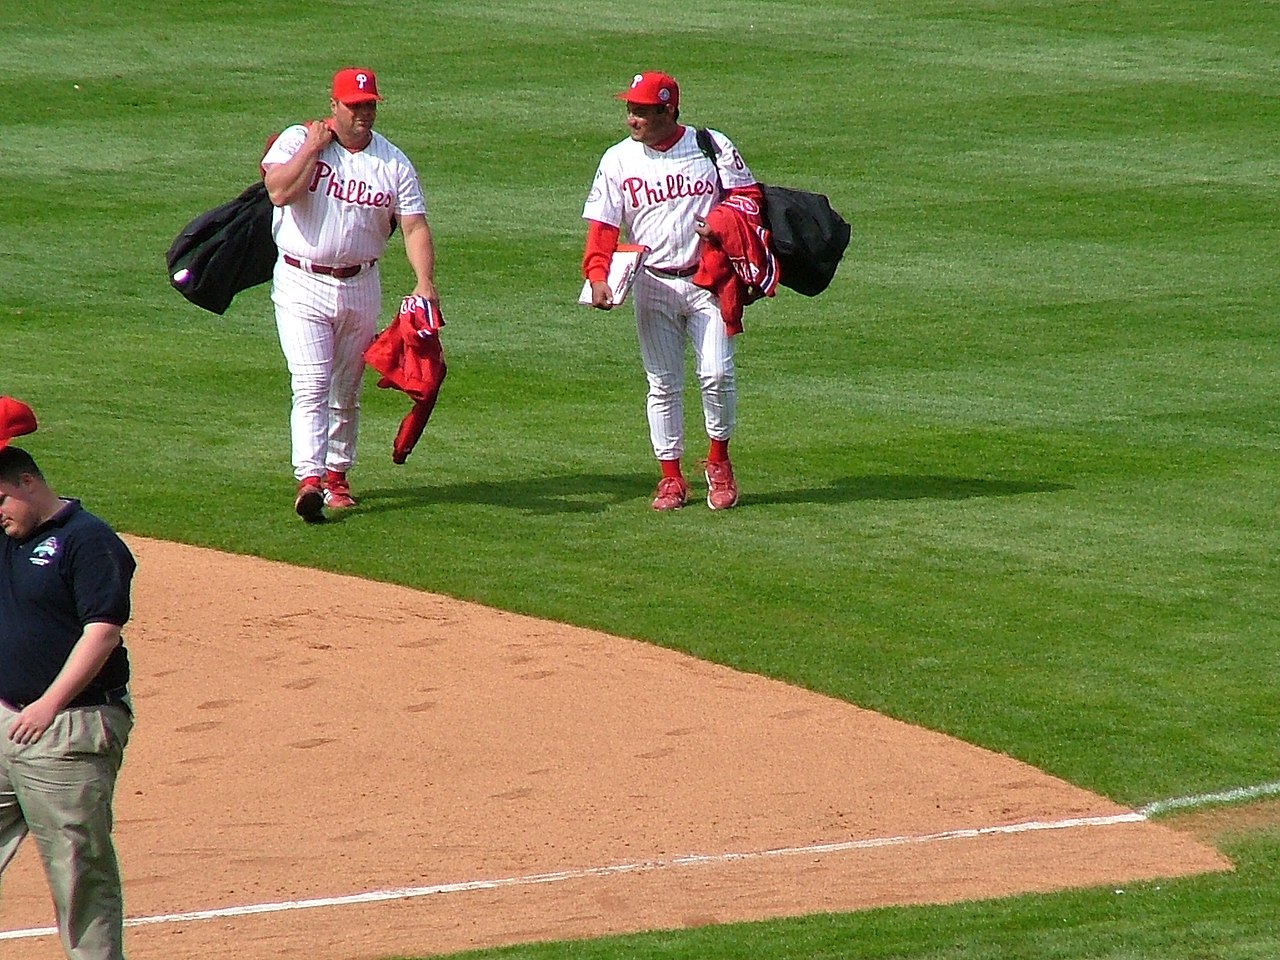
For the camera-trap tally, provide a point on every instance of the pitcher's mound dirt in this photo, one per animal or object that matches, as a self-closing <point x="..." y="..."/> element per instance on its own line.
<point x="305" y="735"/>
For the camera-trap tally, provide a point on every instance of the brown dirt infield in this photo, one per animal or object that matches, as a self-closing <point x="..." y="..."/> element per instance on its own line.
<point x="306" y="735"/>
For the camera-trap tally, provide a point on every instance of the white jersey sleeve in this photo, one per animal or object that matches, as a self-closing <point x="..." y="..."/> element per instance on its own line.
<point x="409" y="196"/>
<point x="604" y="200"/>
<point x="734" y="172"/>
<point x="286" y="144"/>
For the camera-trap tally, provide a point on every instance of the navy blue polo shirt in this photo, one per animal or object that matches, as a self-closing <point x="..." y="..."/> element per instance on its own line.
<point x="71" y="571"/>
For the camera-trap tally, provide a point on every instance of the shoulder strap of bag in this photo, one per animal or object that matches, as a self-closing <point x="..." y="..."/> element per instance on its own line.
<point x="706" y="144"/>
<point x="709" y="149"/>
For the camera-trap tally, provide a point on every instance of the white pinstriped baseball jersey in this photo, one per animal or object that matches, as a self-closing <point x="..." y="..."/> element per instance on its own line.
<point x="655" y="196"/>
<point x="344" y="217"/>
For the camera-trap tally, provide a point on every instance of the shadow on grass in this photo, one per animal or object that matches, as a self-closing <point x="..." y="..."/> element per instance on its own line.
<point x="598" y="492"/>
<point x="567" y="493"/>
<point x="891" y="486"/>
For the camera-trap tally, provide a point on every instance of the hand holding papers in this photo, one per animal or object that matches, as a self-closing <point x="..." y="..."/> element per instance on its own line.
<point x="627" y="261"/>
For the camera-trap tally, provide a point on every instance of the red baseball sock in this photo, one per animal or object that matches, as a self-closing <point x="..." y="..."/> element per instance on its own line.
<point x="718" y="451"/>
<point x="671" y="468"/>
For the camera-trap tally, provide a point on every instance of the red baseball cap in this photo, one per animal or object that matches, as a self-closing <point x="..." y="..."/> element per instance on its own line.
<point x="16" y="419"/>
<point x="355" y="85"/>
<point x="653" y="88"/>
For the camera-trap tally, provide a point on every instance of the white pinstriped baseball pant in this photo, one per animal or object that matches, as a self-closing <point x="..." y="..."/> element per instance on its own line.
<point x="669" y="311"/>
<point x="325" y="324"/>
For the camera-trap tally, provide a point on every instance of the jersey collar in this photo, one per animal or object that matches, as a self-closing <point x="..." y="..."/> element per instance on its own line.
<point x="672" y="140"/>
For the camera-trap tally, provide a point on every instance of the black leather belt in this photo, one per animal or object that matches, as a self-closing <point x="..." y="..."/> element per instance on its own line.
<point x="100" y="698"/>
<point x="88" y="698"/>
<point x="342" y="273"/>
<point x="660" y="272"/>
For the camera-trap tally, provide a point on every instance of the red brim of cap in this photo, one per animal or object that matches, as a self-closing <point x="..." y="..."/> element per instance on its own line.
<point x="16" y="420"/>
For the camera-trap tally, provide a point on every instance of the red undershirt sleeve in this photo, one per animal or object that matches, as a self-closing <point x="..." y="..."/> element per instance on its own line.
<point x="602" y="241"/>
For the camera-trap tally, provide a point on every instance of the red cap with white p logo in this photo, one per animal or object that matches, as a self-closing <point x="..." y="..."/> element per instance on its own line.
<point x="355" y="85"/>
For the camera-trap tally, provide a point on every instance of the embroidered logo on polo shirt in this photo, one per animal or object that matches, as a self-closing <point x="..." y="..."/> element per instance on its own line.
<point x="45" y="551"/>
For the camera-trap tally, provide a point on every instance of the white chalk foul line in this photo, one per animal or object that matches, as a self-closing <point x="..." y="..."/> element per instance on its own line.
<point x="1235" y="795"/>
<point x="406" y="893"/>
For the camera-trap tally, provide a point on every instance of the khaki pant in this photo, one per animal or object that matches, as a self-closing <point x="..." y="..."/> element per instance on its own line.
<point x="60" y="790"/>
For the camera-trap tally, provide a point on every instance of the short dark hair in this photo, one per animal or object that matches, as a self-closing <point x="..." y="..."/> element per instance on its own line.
<point x="14" y="462"/>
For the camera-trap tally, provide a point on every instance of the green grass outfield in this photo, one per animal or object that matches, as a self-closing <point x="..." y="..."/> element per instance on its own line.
<point x="1012" y="477"/>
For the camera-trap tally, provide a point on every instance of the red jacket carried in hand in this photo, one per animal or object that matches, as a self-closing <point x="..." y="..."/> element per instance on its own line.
<point x="409" y="357"/>
<point x="736" y="263"/>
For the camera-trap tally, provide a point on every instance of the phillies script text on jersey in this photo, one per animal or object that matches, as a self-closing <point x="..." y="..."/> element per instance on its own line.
<point x="352" y="191"/>
<point x="676" y="185"/>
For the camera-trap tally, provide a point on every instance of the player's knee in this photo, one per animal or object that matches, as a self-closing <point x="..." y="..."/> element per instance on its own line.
<point x="663" y="387"/>
<point x="720" y="380"/>
<point x="310" y="390"/>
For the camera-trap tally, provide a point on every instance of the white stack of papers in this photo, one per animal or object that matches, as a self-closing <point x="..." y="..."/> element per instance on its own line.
<point x="627" y="261"/>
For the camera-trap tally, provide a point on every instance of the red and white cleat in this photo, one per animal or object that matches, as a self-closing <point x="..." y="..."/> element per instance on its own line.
<point x="672" y="494"/>
<point x="337" y="492"/>
<point x="722" y="488"/>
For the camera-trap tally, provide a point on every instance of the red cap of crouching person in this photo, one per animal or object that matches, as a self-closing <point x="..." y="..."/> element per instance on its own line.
<point x="355" y="85"/>
<point x="652" y="88"/>
<point x="16" y="419"/>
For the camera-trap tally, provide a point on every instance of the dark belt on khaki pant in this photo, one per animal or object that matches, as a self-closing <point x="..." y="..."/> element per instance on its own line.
<point x="342" y="273"/>
<point x="88" y="698"/>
